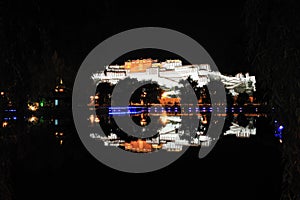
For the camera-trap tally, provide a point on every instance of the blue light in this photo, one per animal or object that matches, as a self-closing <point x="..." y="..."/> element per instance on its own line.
<point x="15" y="118"/>
<point x="11" y="110"/>
<point x="278" y="135"/>
<point x="56" y="102"/>
<point x="124" y="113"/>
<point x="56" y="122"/>
<point x="280" y="128"/>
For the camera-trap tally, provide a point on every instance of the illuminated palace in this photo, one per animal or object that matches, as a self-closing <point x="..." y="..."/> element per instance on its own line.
<point x="170" y="72"/>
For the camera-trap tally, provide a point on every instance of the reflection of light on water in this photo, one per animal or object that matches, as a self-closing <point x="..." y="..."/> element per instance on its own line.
<point x="33" y="119"/>
<point x="204" y="119"/>
<point x="143" y="122"/>
<point x="173" y="136"/>
<point x="163" y="118"/>
<point x="92" y="118"/>
<point x="59" y="135"/>
<point x="138" y="146"/>
<point x="97" y="120"/>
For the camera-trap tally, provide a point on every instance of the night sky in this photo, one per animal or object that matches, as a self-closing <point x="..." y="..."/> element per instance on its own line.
<point x="236" y="168"/>
<point x="77" y="27"/>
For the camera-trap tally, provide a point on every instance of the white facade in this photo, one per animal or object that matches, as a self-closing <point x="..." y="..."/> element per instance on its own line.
<point x="170" y="72"/>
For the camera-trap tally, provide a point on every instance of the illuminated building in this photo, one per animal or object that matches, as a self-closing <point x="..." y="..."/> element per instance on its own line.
<point x="139" y="65"/>
<point x="170" y="72"/>
<point x="169" y="98"/>
<point x="60" y="87"/>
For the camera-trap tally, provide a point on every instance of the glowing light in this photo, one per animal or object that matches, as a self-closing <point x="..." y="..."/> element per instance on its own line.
<point x="143" y="122"/>
<point x="4" y="124"/>
<point x="56" y="102"/>
<point x="163" y="118"/>
<point x="204" y="120"/>
<point x="56" y="122"/>
<point x="280" y="140"/>
<point x="33" y="119"/>
<point x="2" y="93"/>
<point x="280" y="128"/>
<point x="33" y="107"/>
<point x="92" y="118"/>
<point x="60" y="142"/>
<point x="97" y="120"/>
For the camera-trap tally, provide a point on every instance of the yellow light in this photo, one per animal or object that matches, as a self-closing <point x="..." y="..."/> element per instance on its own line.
<point x="61" y="90"/>
<point x="97" y="120"/>
<point x="163" y="120"/>
<point x="4" y="124"/>
<point x="33" y="107"/>
<point x="204" y="121"/>
<point x="2" y="93"/>
<point x="164" y="95"/>
<point x="143" y="122"/>
<point x="92" y="118"/>
<point x="60" y="142"/>
<point x="33" y="119"/>
<point x="61" y="134"/>
<point x="96" y="97"/>
<point x="56" y="133"/>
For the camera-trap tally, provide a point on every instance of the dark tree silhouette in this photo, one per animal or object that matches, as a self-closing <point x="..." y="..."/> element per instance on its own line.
<point x="273" y="29"/>
<point x="29" y="67"/>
